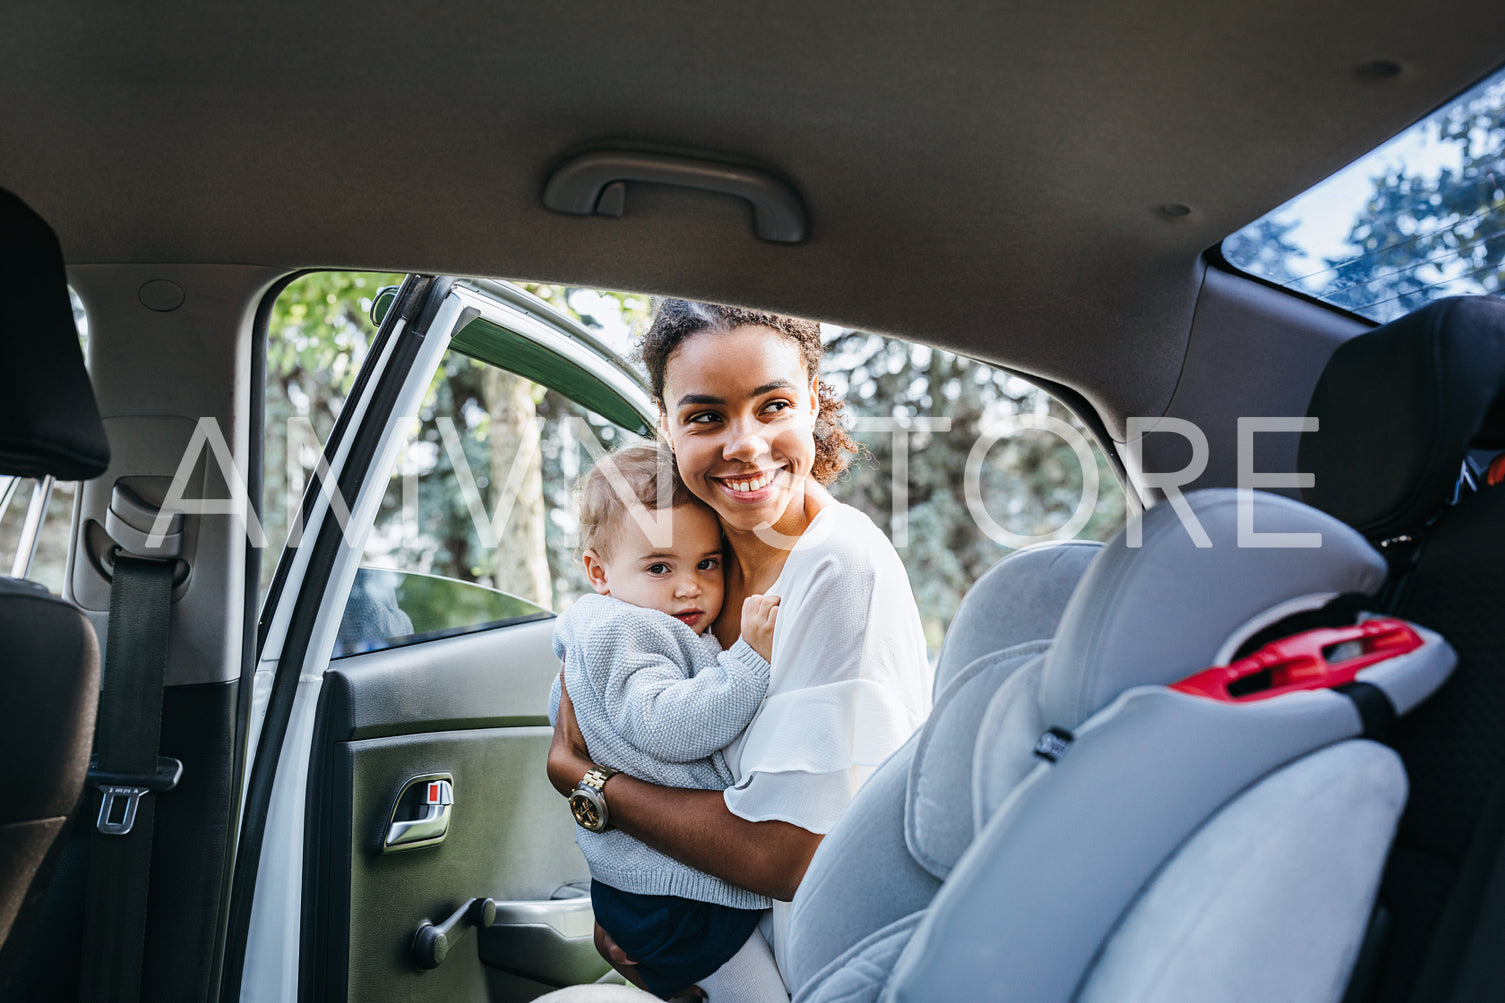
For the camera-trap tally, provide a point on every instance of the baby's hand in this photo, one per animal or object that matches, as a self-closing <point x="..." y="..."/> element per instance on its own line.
<point x="758" y="615"/>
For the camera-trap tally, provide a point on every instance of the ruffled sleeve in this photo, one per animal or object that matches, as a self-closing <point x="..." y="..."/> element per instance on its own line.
<point x="850" y="680"/>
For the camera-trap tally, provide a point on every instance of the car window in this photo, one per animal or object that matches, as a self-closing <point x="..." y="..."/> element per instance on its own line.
<point x="317" y="334"/>
<point x="962" y="463"/>
<point x="49" y="559"/>
<point x="1416" y="219"/>
<point x="48" y="562"/>
<point x="476" y="529"/>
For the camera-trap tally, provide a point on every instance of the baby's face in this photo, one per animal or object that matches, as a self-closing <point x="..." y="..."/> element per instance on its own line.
<point x="673" y="564"/>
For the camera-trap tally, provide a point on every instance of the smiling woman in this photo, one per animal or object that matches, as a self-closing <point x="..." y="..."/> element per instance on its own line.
<point x="677" y="319"/>
<point x="753" y="436"/>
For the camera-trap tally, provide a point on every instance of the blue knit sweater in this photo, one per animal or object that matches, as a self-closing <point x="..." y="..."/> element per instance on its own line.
<point x="659" y="702"/>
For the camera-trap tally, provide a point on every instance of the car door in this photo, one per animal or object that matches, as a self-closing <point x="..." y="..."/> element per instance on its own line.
<point x="400" y="838"/>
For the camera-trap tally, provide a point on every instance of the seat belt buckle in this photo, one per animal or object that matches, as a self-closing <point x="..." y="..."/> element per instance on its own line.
<point x="127" y="789"/>
<point x="110" y="793"/>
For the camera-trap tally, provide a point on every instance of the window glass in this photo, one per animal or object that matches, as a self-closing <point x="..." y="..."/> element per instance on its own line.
<point x="388" y="608"/>
<point x="961" y="464"/>
<point x="1419" y="218"/>
<point x="317" y="336"/>
<point x="478" y="515"/>
<point x="49" y="563"/>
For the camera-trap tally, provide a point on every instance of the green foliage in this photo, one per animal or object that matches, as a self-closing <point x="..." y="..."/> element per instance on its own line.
<point x="1030" y="482"/>
<point x="317" y="337"/>
<point x="318" y="334"/>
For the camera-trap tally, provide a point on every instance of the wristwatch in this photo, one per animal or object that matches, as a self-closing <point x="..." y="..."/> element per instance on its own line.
<point x="588" y="799"/>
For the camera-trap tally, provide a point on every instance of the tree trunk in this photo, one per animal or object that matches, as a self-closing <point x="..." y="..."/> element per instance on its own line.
<point x="521" y="563"/>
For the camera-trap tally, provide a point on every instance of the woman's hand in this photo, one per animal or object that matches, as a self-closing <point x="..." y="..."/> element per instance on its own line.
<point x="569" y="759"/>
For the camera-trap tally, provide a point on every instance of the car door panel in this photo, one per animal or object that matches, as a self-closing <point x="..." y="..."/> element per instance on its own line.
<point x="400" y="674"/>
<point x="473" y="708"/>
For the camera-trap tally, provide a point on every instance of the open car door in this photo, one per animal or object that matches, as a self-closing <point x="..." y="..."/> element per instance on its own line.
<point x="399" y="836"/>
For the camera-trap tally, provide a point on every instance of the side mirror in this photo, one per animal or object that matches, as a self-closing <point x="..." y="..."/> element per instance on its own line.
<point x="381" y="303"/>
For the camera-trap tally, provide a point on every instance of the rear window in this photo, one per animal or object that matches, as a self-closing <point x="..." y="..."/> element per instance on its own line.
<point x="1419" y="218"/>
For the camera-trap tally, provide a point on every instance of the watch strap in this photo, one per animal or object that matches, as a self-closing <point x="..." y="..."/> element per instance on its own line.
<point x="597" y="776"/>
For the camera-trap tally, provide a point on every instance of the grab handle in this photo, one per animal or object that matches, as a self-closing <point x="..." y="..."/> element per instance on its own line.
<point x="597" y="183"/>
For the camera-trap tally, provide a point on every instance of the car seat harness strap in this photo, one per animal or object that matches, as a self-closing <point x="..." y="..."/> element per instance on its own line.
<point x="1376" y="709"/>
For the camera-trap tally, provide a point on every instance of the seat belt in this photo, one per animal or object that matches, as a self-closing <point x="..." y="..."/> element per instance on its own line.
<point x="127" y="768"/>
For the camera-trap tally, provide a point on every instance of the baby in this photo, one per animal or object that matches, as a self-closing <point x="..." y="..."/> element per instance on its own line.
<point x="658" y="699"/>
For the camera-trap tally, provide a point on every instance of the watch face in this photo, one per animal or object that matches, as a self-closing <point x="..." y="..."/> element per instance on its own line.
<point x="587" y="811"/>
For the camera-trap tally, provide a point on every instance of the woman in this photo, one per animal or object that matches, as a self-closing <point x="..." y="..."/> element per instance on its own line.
<point x="754" y="435"/>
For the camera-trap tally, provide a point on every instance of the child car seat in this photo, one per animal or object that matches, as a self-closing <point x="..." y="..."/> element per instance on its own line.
<point x="1097" y="834"/>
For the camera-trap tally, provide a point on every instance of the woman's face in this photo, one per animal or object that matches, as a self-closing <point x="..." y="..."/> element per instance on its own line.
<point x="739" y="411"/>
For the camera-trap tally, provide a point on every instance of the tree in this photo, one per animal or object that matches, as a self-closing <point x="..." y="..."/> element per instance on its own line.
<point x="1030" y="481"/>
<point x="513" y="434"/>
<point x="1264" y="248"/>
<point x="317" y="337"/>
<point x="1423" y="234"/>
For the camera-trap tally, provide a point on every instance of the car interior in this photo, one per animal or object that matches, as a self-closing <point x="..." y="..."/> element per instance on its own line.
<point x="332" y="787"/>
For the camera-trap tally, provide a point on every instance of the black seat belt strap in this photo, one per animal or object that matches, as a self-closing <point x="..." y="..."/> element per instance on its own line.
<point x="127" y="772"/>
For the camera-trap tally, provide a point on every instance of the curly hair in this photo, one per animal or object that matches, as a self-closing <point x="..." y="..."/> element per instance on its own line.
<point x="633" y="474"/>
<point x="678" y="320"/>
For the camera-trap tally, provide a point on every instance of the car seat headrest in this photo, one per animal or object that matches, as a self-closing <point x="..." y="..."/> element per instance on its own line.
<point x="1398" y="409"/>
<point x="1019" y="599"/>
<point x="1154" y="614"/>
<point x="49" y="421"/>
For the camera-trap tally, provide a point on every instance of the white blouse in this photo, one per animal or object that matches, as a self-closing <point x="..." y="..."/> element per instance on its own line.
<point x="850" y="680"/>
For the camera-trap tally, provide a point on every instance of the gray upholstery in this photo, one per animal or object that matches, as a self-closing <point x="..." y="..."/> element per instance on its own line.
<point x="862" y="879"/>
<point x="1069" y="848"/>
<point x="1054" y="855"/>
<point x="861" y="895"/>
<point x="938" y="811"/>
<point x="1018" y="599"/>
<point x="1115" y="631"/>
<point x="1005" y="741"/>
<point x="1300" y="845"/>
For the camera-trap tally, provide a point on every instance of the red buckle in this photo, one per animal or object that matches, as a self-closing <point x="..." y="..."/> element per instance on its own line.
<point x="1302" y="662"/>
<point x="1496" y="472"/>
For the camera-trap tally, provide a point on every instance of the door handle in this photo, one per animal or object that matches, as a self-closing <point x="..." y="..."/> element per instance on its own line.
<point x="432" y="943"/>
<point x="432" y="797"/>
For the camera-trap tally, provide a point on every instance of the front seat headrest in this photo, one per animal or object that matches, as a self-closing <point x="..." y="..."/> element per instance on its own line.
<point x="49" y="421"/>
<point x="1152" y="615"/>
<point x="1399" y="408"/>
